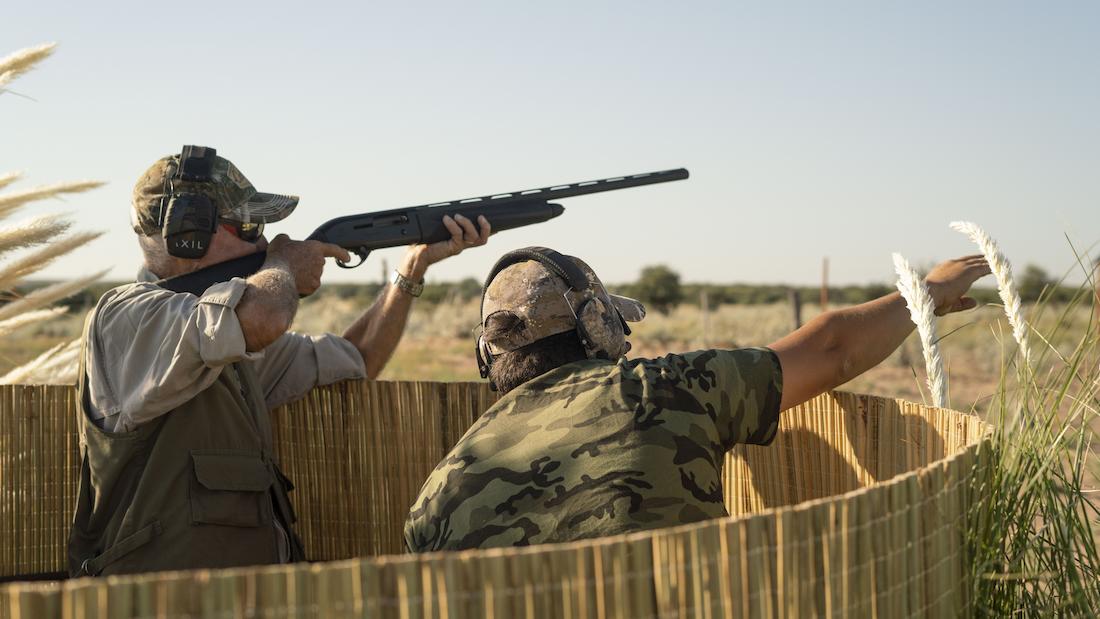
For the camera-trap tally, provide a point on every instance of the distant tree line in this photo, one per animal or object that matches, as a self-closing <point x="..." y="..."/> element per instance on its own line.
<point x="660" y="288"/>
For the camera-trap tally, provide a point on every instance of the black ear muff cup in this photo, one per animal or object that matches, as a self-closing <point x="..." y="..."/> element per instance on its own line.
<point x="189" y="225"/>
<point x="189" y="219"/>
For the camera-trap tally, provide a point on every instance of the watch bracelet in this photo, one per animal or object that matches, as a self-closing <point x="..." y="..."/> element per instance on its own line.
<point x="407" y="286"/>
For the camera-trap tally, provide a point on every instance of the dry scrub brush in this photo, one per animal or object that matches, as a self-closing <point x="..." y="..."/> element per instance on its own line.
<point x="28" y="246"/>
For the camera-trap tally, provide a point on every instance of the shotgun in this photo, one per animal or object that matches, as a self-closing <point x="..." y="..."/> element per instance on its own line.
<point x="362" y="234"/>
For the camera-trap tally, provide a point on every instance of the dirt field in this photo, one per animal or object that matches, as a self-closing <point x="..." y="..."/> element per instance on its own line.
<point x="438" y="343"/>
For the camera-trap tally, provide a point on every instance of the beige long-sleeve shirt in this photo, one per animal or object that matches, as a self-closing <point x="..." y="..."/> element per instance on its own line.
<point x="150" y="350"/>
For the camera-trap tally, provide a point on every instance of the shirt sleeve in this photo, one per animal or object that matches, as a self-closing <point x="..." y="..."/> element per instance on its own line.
<point x="151" y="349"/>
<point x="296" y="363"/>
<point x="743" y="387"/>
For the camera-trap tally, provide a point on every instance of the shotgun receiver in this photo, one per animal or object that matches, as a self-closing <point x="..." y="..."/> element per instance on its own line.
<point x="361" y="234"/>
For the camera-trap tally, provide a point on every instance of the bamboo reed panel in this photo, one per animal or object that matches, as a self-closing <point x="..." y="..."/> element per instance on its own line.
<point x="38" y="467"/>
<point x="855" y="510"/>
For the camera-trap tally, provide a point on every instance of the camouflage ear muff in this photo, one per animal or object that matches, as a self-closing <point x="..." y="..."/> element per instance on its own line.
<point x="188" y="220"/>
<point x="599" y="327"/>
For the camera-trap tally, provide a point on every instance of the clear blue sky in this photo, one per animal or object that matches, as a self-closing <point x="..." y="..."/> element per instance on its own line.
<point x="847" y="130"/>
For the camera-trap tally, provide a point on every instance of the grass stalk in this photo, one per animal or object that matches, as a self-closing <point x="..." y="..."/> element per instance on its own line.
<point x="1031" y="534"/>
<point x="923" y="312"/>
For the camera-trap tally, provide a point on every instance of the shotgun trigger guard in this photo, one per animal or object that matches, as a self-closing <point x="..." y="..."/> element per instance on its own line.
<point x="362" y="252"/>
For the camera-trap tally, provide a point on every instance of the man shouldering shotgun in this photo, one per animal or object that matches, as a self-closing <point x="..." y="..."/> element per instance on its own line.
<point x="180" y="369"/>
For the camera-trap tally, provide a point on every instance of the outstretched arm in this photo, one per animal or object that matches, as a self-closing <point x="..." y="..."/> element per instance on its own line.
<point x="377" y="331"/>
<point x="839" y="345"/>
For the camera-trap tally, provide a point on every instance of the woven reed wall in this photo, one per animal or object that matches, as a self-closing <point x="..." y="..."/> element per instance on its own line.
<point x="358" y="452"/>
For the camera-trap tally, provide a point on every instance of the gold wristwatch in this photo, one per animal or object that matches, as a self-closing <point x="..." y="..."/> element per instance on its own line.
<point x="411" y="288"/>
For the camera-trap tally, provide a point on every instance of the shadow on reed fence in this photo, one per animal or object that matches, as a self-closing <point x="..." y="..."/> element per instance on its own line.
<point x="855" y="508"/>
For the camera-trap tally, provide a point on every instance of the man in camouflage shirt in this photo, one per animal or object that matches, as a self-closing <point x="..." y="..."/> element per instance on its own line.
<point x="586" y="443"/>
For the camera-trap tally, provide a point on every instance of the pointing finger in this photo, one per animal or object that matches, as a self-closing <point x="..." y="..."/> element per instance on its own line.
<point x="329" y="250"/>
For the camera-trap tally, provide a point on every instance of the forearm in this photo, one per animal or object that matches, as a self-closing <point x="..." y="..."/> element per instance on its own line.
<point x="268" y="305"/>
<point x="864" y="335"/>
<point x="378" y="330"/>
<point x="839" y="345"/>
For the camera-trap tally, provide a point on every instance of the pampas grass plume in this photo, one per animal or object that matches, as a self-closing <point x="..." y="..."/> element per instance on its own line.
<point x="9" y="178"/>
<point x="29" y="318"/>
<point x="22" y="61"/>
<point x="923" y="312"/>
<point x="1006" y="285"/>
<point x="56" y="366"/>
<point x="33" y="232"/>
<point x="47" y="295"/>
<point x="11" y="201"/>
<point x="41" y="258"/>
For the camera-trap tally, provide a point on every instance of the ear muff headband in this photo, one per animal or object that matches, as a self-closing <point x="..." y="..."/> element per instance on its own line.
<point x="188" y="220"/>
<point x="557" y="264"/>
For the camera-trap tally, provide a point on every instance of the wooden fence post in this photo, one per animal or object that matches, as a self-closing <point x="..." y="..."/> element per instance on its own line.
<point x="796" y="306"/>
<point x="704" y="308"/>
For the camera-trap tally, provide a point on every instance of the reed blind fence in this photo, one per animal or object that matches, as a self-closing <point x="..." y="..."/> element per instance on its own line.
<point x="855" y="510"/>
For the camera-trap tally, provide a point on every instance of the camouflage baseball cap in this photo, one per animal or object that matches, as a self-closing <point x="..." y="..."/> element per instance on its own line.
<point x="235" y="198"/>
<point x="546" y="305"/>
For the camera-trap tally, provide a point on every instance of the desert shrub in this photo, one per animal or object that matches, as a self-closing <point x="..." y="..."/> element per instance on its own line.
<point x="659" y="288"/>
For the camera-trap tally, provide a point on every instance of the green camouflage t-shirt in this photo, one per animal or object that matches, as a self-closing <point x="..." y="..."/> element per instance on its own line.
<point x="597" y="448"/>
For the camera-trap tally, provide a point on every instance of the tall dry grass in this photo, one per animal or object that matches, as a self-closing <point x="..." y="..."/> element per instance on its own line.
<point x="29" y="246"/>
<point x="1032" y="533"/>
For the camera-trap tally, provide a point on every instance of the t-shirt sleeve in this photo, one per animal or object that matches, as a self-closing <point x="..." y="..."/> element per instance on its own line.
<point x="296" y="363"/>
<point x="749" y="386"/>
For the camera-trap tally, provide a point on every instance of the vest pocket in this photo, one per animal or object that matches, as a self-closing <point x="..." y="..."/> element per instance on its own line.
<point x="230" y="488"/>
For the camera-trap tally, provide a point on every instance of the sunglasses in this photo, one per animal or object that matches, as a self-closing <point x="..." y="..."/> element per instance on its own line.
<point x="247" y="232"/>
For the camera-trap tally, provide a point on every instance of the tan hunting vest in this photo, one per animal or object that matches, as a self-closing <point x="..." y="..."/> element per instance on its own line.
<point x="196" y="487"/>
